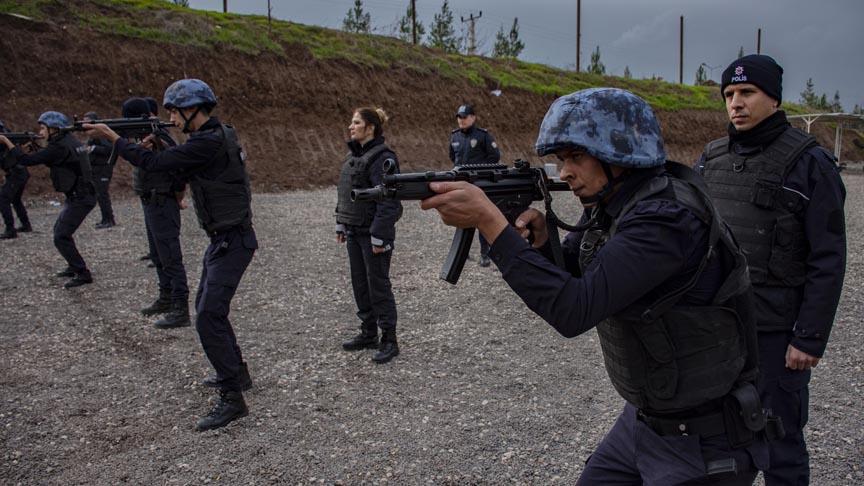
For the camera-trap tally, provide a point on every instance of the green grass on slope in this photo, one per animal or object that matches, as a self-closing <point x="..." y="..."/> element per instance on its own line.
<point x="163" y="21"/>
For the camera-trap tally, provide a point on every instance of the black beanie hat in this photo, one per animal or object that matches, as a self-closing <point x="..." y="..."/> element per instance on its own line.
<point x="756" y="69"/>
<point x="135" y="108"/>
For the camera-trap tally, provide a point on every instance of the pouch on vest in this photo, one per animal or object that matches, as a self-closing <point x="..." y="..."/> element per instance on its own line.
<point x="788" y="261"/>
<point x="764" y="193"/>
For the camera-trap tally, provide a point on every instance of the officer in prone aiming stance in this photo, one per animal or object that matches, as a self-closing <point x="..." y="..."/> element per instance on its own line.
<point x="71" y="175"/>
<point x="213" y="163"/>
<point x="657" y="272"/>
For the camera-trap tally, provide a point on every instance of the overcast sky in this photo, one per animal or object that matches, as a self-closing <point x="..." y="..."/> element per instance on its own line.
<point x="822" y="40"/>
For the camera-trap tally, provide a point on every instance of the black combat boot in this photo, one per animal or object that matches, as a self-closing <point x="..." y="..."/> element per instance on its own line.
<point x="229" y="406"/>
<point x="25" y="228"/>
<point x="485" y="261"/>
<point x="65" y="273"/>
<point x="80" y="278"/>
<point x="9" y="233"/>
<point x="367" y="339"/>
<point x="178" y="316"/>
<point x="388" y="349"/>
<point x="160" y="306"/>
<point x="105" y="223"/>
<point x="213" y="380"/>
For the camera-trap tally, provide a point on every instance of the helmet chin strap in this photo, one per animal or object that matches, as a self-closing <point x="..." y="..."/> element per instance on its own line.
<point x="611" y="182"/>
<point x="187" y="121"/>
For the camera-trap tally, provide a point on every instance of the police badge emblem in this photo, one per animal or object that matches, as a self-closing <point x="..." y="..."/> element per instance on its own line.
<point x="473" y="142"/>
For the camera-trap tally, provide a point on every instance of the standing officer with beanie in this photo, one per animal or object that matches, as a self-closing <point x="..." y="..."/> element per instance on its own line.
<point x="70" y="174"/>
<point x="369" y="230"/>
<point x="472" y="145"/>
<point x="214" y="164"/>
<point x="157" y="190"/>
<point x="103" y="169"/>
<point x="783" y="197"/>
<point x="15" y="180"/>
<point x="657" y="272"/>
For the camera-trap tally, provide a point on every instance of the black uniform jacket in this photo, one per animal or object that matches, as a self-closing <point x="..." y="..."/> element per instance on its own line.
<point x="473" y="146"/>
<point x="656" y="249"/>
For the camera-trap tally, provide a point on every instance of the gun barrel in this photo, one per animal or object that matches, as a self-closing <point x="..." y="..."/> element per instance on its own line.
<point x="18" y="138"/>
<point x="371" y="194"/>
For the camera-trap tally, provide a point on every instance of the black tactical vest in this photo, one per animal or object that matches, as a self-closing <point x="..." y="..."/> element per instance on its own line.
<point x="73" y="173"/>
<point x="355" y="175"/>
<point x="668" y="357"/>
<point x="223" y="202"/>
<point x="765" y="217"/>
<point x="162" y="183"/>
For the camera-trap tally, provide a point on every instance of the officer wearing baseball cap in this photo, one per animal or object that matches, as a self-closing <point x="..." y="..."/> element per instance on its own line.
<point x="655" y="270"/>
<point x="472" y="145"/>
<point x="783" y="198"/>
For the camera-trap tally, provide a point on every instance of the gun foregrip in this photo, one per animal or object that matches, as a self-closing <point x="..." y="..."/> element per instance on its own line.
<point x="457" y="255"/>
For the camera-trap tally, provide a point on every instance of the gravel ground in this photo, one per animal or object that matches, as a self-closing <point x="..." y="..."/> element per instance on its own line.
<point x="483" y="392"/>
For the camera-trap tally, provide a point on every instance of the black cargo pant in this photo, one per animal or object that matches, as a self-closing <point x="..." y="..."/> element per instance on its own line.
<point x="633" y="454"/>
<point x="162" y="220"/>
<point x="370" y="279"/>
<point x="786" y="393"/>
<point x="77" y="206"/>
<point x="102" y="180"/>
<point x="10" y="197"/>
<point x="225" y="260"/>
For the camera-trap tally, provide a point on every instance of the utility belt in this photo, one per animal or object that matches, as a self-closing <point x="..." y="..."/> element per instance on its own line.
<point x="740" y="418"/>
<point x="241" y="227"/>
<point x="154" y="197"/>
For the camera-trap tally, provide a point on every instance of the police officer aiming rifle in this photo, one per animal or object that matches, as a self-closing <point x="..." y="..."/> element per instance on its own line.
<point x="70" y="174"/>
<point x="656" y="271"/>
<point x="214" y="164"/>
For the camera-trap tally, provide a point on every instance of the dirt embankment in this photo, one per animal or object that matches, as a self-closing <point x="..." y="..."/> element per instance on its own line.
<point x="291" y="112"/>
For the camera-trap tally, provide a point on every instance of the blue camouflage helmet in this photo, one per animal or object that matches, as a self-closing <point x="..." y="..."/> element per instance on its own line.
<point x="188" y="93"/>
<point x="612" y="125"/>
<point x="54" y="119"/>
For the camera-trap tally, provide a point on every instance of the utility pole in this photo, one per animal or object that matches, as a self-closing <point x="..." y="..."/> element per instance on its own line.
<point x="472" y="39"/>
<point x="269" y="17"/>
<point x="224" y="6"/>
<point x="681" y="52"/>
<point x="414" y="21"/>
<point x="759" y="41"/>
<point x="578" y="34"/>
